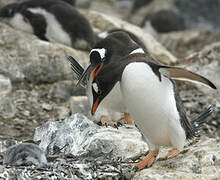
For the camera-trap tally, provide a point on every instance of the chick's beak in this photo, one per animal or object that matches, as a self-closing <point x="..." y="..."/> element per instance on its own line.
<point x="95" y="72"/>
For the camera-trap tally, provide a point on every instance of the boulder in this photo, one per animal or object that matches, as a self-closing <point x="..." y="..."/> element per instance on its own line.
<point x="26" y="58"/>
<point x="78" y="135"/>
<point x="198" y="161"/>
<point x="199" y="14"/>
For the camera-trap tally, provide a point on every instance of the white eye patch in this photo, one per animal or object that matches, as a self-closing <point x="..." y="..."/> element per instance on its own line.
<point x="138" y="50"/>
<point x="95" y="87"/>
<point x="101" y="52"/>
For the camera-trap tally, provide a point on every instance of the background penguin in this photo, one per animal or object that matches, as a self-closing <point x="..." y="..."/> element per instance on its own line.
<point x="112" y="48"/>
<point x="53" y="20"/>
<point x="152" y="99"/>
<point x="164" y="21"/>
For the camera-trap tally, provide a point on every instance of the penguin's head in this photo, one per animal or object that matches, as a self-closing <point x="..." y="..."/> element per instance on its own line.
<point x="100" y="89"/>
<point x="8" y="11"/>
<point x="112" y="48"/>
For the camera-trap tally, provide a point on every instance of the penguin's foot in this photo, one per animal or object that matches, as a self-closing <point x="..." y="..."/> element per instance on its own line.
<point x="127" y="119"/>
<point x="147" y="161"/>
<point x="170" y="154"/>
<point x="106" y="122"/>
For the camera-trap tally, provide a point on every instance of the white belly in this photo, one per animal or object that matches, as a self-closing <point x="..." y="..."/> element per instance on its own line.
<point x="111" y="106"/>
<point x="152" y="105"/>
<point x="18" y="22"/>
<point x="54" y="31"/>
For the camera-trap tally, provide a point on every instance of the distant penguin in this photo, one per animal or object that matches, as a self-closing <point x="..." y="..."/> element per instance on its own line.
<point x="164" y="21"/>
<point x="52" y="20"/>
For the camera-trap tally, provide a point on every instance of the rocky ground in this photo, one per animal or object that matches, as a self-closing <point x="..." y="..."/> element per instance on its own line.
<point x="39" y="102"/>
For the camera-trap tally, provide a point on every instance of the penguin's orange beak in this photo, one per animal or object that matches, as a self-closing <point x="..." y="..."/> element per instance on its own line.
<point x="95" y="72"/>
<point x="95" y="106"/>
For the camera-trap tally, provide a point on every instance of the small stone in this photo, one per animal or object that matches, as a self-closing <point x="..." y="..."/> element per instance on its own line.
<point x="47" y="107"/>
<point x="26" y="113"/>
<point x="62" y="90"/>
<point x="63" y="112"/>
<point x="7" y="108"/>
<point x="5" y="86"/>
<point x="2" y="168"/>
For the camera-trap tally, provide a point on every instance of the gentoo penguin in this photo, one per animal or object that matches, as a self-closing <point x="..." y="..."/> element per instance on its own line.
<point x="52" y="20"/>
<point x="164" y="21"/>
<point x="112" y="48"/>
<point x="152" y="99"/>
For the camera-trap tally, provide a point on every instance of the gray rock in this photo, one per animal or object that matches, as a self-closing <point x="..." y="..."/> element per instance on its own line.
<point x="24" y="153"/>
<point x="26" y="58"/>
<point x="7" y="108"/>
<point x="184" y="43"/>
<point x="199" y="14"/>
<point x="63" y="112"/>
<point x="78" y="135"/>
<point x="63" y="90"/>
<point x="196" y="163"/>
<point x="79" y="104"/>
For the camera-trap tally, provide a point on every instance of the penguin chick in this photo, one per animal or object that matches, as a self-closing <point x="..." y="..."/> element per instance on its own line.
<point x="112" y="48"/>
<point x="52" y="20"/>
<point x="152" y="99"/>
<point x="23" y="153"/>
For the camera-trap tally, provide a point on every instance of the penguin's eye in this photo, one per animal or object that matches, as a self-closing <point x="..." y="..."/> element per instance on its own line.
<point x="97" y="55"/>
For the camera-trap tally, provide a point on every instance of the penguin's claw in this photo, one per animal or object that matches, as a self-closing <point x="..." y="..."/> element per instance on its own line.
<point x="147" y="161"/>
<point x="106" y="122"/>
<point x="127" y="119"/>
<point x="170" y="154"/>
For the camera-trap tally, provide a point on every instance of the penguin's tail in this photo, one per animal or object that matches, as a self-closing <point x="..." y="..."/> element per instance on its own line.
<point x="202" y="118"/>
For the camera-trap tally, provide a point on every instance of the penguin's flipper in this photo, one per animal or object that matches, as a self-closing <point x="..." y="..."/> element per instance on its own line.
<point x="177" y="73"/>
